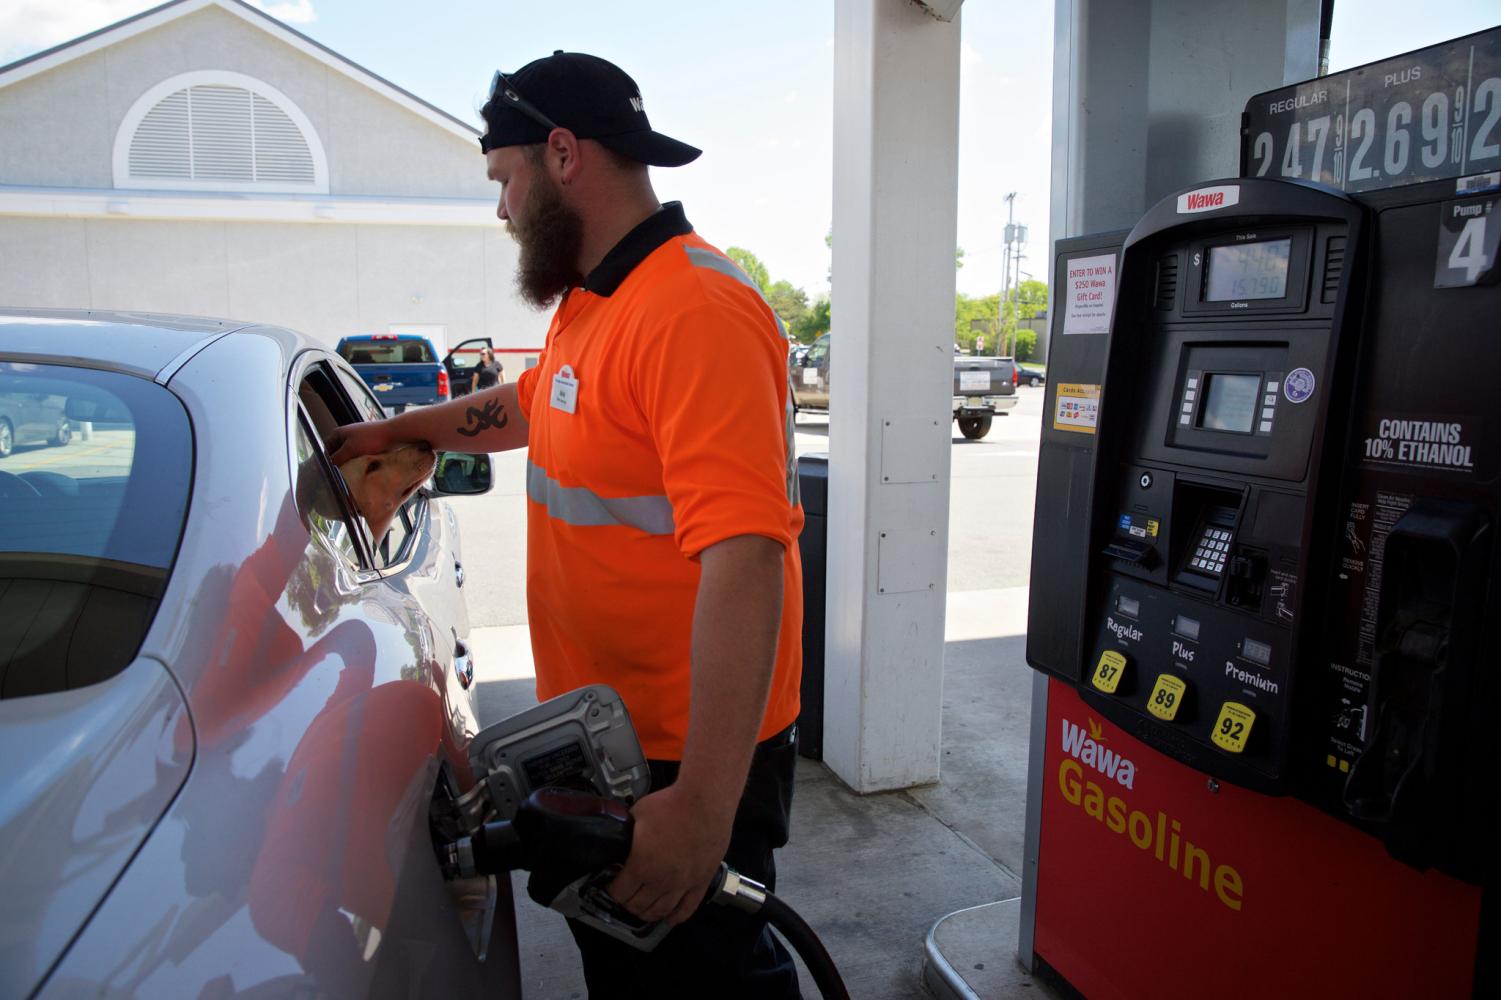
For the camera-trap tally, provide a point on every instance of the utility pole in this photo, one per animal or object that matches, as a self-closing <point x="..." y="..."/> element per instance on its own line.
<point x="1000" y="300"/>
<point x="1016" y="238"/>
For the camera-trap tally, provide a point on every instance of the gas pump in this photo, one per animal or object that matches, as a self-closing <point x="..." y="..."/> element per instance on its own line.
<point x="1265" y="557"/>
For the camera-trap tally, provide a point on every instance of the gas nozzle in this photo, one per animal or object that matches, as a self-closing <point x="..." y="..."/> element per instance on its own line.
<point x="559" y="831"/>
<point x="573" y="843"/>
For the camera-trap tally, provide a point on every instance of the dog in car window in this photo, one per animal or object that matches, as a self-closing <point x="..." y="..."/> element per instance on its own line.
<point x="381" y="483"/>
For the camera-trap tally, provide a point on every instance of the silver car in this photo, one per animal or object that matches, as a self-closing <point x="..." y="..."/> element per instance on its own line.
<point x="231" y="721"/>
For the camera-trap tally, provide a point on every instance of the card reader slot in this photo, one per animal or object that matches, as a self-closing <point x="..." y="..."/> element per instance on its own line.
<point x="1130" y="551"/>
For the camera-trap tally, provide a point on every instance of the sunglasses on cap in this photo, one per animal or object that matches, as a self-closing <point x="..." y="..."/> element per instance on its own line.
<point x="504" y="91"/>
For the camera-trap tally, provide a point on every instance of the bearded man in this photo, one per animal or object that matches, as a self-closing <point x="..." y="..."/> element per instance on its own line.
<point x="663" y="512"/>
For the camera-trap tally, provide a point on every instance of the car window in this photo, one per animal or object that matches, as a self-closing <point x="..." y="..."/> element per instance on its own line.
<point x="387" y="352"/>
<point x="95" y="474"/>
<point x="333" y="400"/>
<point x="394" y="547"/>
<point x="318" y="499"/>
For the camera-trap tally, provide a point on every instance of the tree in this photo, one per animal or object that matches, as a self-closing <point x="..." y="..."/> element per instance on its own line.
<point x="973" y="317"/>
<point x="751" y="265"/>
<point x="787" y="302"/>
<point x="813" y="323"/>
<point x="1026" y="344"/>
<point x="1028" y="300"/>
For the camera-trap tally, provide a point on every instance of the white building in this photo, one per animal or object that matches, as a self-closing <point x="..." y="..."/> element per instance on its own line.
<point x="204" y="158"/>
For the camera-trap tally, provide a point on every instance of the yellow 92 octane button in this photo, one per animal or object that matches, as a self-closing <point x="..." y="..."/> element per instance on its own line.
<point x="1233" y="727"/>
<point x="1108" y="672"/>
<point x="1167" y="696"/>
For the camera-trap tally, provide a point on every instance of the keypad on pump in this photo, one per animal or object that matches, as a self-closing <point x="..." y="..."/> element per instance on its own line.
<point x="1211" y="551"/>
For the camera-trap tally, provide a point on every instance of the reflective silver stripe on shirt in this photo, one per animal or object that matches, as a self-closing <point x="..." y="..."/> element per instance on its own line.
<point x="700" y="257"/>
<point x="582" y="507"/>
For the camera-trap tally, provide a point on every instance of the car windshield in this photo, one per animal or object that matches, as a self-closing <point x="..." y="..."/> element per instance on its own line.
<point x="387" y="352"/>
<point x="95" y="470"/>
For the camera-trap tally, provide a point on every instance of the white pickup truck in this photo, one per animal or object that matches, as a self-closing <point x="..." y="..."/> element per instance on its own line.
<point x="983" y="386"/>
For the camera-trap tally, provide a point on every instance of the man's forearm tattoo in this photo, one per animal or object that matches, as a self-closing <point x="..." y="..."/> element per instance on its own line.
<point x="476" y="420"/>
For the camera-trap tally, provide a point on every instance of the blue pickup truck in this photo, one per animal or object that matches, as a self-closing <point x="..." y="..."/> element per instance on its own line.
<point x="403" y="369"/>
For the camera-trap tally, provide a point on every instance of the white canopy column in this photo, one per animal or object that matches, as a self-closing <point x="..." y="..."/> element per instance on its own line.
<point x="896" y="142"/>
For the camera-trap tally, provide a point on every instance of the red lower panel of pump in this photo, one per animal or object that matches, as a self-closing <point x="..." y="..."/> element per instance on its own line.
<point x="1151" y="885"/>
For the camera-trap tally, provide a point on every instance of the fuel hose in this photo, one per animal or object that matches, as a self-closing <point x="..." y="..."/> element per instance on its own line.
<point x="560" y="835"/>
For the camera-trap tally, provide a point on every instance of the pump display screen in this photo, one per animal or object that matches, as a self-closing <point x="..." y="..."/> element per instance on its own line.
<point x="1230" y="402"/>
<point x="1247" y="271"/>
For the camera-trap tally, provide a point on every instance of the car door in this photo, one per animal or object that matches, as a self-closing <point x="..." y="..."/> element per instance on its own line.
<point x="460" y="363"/>
<point x="816" y="374"/>
<point x="421" y="560"/>
<point x="35" y="427"/>
<point x="416" y="595"/>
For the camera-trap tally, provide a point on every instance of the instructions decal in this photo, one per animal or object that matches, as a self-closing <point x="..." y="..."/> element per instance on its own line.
<point x="1077" y="408"/>
<point x="1089" y="294"/>
<point x="1423" y="444"/>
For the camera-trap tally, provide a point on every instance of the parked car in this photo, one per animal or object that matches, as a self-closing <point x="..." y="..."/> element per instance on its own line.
<point x="982" y="387"/>
<point x="233" y="710"/>
<point x="1033" y="375"/>
<point x="462" y="362"/>
<point x="403" y="369"/>
<point x="810" y="376"/>
<point x="32" y="418"/>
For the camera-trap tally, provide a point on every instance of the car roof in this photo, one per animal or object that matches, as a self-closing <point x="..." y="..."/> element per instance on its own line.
<point x="381" y="336"/>
<point x="139" y="343"/>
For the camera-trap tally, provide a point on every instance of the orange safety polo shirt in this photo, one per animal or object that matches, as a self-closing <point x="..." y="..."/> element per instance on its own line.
<point x="660" y="424"/>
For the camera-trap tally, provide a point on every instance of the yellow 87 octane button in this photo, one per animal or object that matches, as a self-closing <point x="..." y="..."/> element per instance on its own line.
<point x="1108" y="672"/>
<point x="1167" y="697"/>
<point x="1233" y="727"/>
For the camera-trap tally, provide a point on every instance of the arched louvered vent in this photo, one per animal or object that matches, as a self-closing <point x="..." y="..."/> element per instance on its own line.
<point x="217" y="134"/>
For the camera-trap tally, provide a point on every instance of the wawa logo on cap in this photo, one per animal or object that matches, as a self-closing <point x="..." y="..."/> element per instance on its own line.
<point x="1208" y="199"/>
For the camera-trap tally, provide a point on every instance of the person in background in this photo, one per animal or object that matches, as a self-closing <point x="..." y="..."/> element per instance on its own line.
<point x="488" y="372"/>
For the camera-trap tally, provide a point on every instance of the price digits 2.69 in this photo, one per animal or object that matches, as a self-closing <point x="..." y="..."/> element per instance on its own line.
<point x="1446" y="134"/>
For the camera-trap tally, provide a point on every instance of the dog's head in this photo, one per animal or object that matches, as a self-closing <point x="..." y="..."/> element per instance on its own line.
<point x="381" y="483"/>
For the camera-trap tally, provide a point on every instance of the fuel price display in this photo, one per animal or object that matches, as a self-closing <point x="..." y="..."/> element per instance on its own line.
<point x="1428" y="115"/>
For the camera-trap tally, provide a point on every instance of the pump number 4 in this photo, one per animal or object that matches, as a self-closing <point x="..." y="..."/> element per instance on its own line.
<point x="1468" y="236"/>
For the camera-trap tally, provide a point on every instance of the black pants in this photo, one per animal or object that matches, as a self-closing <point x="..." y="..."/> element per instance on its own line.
<point x="720" y="951"/>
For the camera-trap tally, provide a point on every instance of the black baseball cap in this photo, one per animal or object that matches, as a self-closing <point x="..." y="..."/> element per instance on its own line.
<point x="592" y="98"/>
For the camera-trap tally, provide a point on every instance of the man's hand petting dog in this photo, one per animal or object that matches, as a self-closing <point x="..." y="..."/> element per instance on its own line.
<point x="380" y="483"/>
<point x="354" y="440"/>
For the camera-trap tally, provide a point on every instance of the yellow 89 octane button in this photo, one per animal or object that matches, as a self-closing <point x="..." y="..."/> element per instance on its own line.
<point x="1233" y="727"/>
<point x="1167" y="697"/>
<point x="1108" y="672"/>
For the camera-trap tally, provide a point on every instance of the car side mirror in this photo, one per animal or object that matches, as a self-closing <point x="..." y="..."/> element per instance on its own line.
<point x="459" y="475"/>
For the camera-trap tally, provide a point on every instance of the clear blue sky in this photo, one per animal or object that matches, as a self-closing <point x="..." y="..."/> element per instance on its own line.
<point x="751" y="84"/>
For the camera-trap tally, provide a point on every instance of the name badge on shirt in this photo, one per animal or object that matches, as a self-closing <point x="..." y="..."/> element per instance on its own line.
<point x="565" y="390"/>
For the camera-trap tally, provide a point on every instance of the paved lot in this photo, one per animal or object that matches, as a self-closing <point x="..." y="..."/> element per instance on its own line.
<point x="990" y="514"/>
